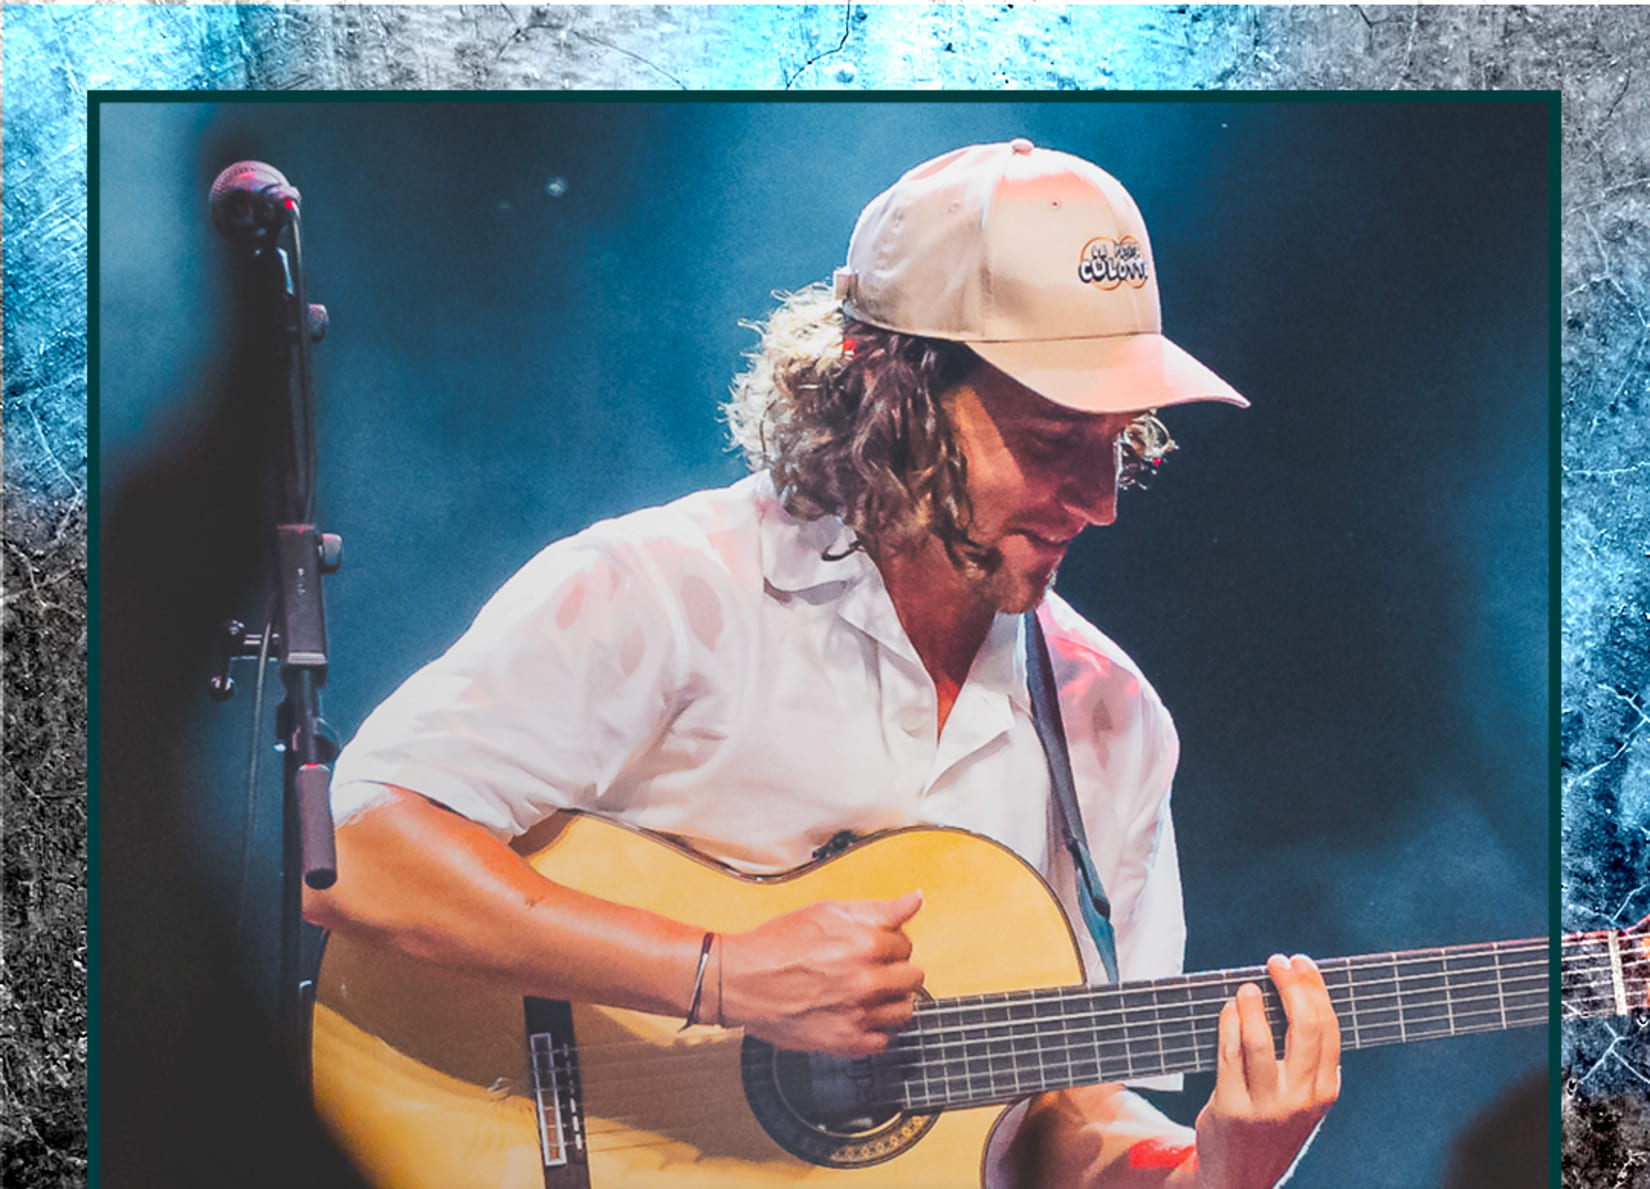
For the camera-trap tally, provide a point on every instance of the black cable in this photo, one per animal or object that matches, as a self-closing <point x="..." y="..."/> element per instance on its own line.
<point x="304" y="426"/>
<point x="253" y="754"/>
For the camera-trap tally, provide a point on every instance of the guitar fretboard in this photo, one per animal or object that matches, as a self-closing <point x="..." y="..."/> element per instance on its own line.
<point x="995" y="1048"/>
<point x="1605" y="973"/>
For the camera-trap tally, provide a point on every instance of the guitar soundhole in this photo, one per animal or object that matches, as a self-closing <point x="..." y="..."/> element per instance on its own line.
<point x="838" y="1112"/>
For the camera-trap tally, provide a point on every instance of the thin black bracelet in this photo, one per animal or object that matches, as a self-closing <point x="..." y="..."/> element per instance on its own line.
<point x="699" y="982"/>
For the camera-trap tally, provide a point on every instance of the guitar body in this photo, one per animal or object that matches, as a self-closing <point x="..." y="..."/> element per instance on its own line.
<point x="425" y="1078"/>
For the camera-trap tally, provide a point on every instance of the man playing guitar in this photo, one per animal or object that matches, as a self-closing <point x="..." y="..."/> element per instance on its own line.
<point x="838" y="643"/>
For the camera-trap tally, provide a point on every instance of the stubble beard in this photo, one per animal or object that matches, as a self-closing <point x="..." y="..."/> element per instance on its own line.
<point x="1006" y="590"/>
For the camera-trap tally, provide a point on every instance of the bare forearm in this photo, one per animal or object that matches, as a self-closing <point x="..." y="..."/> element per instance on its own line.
<point x="1100" y="1137"/>
<point x="443" y="889"/>
<point x="834" y="976"/>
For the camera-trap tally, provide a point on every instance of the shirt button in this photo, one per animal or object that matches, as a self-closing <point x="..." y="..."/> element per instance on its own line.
<point x="914" y="722"/>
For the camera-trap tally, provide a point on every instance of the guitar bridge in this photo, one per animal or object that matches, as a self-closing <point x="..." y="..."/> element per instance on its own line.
<point x="553" y="1058"/>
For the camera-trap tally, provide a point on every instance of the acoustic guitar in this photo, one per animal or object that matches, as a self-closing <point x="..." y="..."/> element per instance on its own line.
<point x="430" y="1079"/>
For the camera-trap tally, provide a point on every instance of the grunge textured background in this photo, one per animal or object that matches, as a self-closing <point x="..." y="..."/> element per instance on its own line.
<point x="53" y="56"/>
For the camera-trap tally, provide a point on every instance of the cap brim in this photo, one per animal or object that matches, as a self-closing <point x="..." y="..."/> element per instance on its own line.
<point x="1115" y="374"/>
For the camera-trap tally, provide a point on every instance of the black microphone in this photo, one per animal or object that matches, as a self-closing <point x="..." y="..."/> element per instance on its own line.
<point x="251" y="200"/>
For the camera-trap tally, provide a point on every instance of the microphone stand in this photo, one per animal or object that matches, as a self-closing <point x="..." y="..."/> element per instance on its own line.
<point x="282" y="327"/>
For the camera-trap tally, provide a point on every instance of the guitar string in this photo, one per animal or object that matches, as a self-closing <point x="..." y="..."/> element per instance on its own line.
<point x="1182" y="1037"/>
<point x="960" y="1078"/>
<point x="1153" y="1034"/>
<point x="1417" y="1021"/>
<point x="978" y="1088"/>
<point x="928" y="1049"/>
<point x="1580" y="964"/>
<point x="1172" y="1013"/>
<point x="1369" y="1014"/>
<point x="1120" y="1017"/>
<point x="1183" y="1059"/>
<point x="595" y="1135"/>
<point x="1041" y="997"/>
<point x="1388" y="986"/>
<point x="1514" y="1017"/>
<point x="1603" y="963"/>
<point x="1089" y="1070"/>
<point x="1377" y="1010"/>
<point x="1337" y="978"/>
<point x="1600" y="962"/>
<point x="1143" y="1024"/>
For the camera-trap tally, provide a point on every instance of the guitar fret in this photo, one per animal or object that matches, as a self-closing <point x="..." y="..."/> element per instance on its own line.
<point x="977" y="1052"/>
<point x="1157" y="1030"/>
<point x="993" y="1017"/>
<point x="1182" y="1020"/>
<point x="1040" y="1051"/>
<point x="1047" y="1020"/>
<point x="1129" y="1032"/>
<point x="1109" y="1056"/>
<point x="993" y="1046"/>
<point x="968" y="1059"/>
<point x="1098" y="1059"/>
<point x="1378" y="1012"/>
<point x="1023" y="1029"/>
<point x="1099" y="1049"/>
<point x="1132" y="1030"/>
<point x="1590" y="984"/>
<point x="1024" y="1038"/>
<point x="993" y="1043"/>
<point x="1428" y="990"/>
<point x="1449" y="998"/>
<point x="1210" y="1038"/>
<point x="1618" y="983"/>
<point x="1352" y="1003"/>
<point x="1397" y="982"/>
<point x="1089" y="1060"/>
<point x="927" y="1082"/>
<point x="1500" y="985"/>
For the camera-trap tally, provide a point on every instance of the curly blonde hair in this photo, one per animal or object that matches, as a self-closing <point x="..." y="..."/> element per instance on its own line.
<point x="848" y="419"/>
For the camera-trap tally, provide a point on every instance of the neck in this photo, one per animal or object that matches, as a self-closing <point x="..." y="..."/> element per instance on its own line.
<point x="944" y="616"/>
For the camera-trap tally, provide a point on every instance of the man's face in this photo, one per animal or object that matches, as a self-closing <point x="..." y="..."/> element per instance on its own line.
<point x="1038" y="474"/>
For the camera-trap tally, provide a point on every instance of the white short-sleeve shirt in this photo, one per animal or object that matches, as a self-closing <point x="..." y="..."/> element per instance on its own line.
<point x="717" y="670"/>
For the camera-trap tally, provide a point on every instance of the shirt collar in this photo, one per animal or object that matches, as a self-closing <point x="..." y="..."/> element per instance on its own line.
<point x="794" y="562"/>
<point x="794" y="551"/>
<point x="815" y="560"/>
<point x="1001" y="664"/>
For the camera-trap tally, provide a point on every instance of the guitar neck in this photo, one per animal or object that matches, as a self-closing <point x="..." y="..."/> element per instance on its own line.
<point x="1605" y="973"/>
<point x="985" y="1049"/>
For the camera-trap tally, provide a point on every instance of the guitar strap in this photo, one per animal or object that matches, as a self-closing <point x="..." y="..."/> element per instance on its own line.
<point x="1045" y="714"/>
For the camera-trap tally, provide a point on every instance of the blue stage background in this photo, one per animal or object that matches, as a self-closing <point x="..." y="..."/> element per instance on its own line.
<point x="1342" y="593"/>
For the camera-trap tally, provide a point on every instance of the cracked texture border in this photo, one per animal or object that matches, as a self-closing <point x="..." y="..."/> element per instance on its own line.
<point x="52" y="56"/>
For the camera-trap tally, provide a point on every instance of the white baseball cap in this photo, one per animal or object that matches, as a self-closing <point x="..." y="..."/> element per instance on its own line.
<point x="1039" y="262"/>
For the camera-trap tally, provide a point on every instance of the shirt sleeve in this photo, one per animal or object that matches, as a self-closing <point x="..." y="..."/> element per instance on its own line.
<point x="565" y="675"/>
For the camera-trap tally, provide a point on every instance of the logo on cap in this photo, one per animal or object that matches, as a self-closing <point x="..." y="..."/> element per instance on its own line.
<point x="1109" y="263"/>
